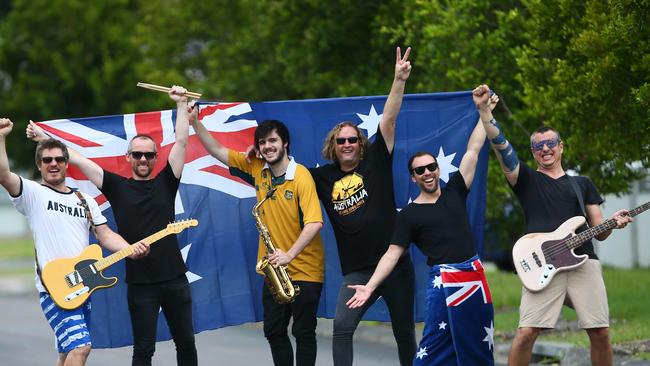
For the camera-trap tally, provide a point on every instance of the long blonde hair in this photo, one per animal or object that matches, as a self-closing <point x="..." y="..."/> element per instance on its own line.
<point x="329" y="145"/>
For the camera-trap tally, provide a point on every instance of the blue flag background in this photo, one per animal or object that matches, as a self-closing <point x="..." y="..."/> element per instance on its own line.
<point x="221" y="252"/>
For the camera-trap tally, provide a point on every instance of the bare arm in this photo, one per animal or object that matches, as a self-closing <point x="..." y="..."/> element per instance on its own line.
<point x="595" y="217"/>
<point x="470" y="159"/>
<point x="212" y="145"/>
<point x="394" y="100"/>
<point x="504" y="151"/>
<point x="177" y="154"/>
<point x="384" y="268"/>
<point x="114" y="242"/>
<point x="91" y="170"/>
<point x="309" y="231"/>
<point x="9" y="180"/>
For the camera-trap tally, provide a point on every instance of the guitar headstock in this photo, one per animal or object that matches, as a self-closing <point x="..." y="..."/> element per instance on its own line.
<point x="178" y="226"/>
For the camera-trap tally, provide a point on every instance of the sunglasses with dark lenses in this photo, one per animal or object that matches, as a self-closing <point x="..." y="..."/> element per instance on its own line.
<point x="351" y="139"/>
<point x="430" y="167"/>
<point x="539" y="146"/>
<point x="58" y="159"/>
<point x="137" y="155"/>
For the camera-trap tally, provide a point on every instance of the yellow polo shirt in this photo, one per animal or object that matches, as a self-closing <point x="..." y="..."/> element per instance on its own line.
<point x="294" y="204"/>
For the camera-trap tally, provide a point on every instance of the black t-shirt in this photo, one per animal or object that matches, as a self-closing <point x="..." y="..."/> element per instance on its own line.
<point x="549" y="202"/>
<point x="360" y="205"/>
<point x="142" y="208"/>
<point x="441" y="230"/>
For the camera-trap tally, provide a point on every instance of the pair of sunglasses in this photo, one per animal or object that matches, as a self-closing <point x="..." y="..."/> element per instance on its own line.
<point x="539" y="146"/>
<point x="58" y="159"/>
<point x="137" y="155"/>
<point x="430" y="167"/>
<point x="351" y="139"/>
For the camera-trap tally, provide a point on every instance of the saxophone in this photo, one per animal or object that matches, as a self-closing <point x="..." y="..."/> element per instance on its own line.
<point x="276" y="278"/>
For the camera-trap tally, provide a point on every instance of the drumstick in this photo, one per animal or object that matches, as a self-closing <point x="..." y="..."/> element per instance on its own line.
<point x="166" y="89"/>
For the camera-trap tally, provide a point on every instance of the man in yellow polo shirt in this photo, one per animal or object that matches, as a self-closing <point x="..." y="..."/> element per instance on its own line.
<point x="293" y="218"/>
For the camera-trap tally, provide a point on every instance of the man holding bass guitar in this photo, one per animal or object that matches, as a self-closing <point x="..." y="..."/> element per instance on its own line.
<point x="61" y="229"/>
<point x="549" y="198"/>
<point x="143" y="204"/>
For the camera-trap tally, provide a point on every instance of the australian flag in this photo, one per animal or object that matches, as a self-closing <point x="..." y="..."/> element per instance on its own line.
<point x="459" y="326"/>
<point x="221" y="252"/>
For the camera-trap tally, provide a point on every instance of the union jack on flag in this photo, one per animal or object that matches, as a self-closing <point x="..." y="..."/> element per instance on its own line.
<point x="459" y="329"/>
<point x="468" y="283"/>
<point x="221" y="252"/>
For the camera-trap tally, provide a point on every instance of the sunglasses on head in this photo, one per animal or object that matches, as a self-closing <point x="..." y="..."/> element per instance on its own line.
<point x="539" y="146"/>
<point x="137" y="155"/>
<point x="351" y="139"/>
<point x="58" y="159"/>
<point x="430" y="167"/>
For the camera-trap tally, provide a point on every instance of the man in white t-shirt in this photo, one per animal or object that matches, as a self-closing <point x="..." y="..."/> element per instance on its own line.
<point x="58" y="222"/>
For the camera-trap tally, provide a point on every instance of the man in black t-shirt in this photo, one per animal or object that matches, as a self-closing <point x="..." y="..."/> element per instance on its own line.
<point x="143" y="205"/>
<point x="548" y="200"/>
<point x="357" y="193"/>
<point x="458" y="333"/>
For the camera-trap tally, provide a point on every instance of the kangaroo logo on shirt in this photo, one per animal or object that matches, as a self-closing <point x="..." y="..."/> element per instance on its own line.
<point x="348" y="194"/>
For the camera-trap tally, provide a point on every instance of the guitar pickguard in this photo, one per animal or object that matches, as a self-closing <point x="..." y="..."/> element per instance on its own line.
<point x="86" y="274"/>
<point x="559" y="255"/>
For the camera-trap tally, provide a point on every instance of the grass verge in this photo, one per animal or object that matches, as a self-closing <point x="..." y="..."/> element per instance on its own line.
<point x="16" y="249"/>
<point x="626" y="291"/>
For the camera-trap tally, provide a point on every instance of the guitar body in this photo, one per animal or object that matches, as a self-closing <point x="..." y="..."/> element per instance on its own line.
<point x="70" y="281"/>
<point x="539" y="256"/>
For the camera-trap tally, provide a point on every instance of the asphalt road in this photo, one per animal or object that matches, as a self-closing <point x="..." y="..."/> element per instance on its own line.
<point x="26" y="339"/>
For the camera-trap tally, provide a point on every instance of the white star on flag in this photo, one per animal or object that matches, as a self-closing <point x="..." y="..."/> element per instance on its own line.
<point x="437" y="281"/>
<point x="446" y="167"/>
<point x="191" y="277"/>
<point x="442" y="325"/>
<point x="370" y="121"/>
<point x="422" y="353"/>
<point x="490" y="335"/>
<point x="407" y="203"/>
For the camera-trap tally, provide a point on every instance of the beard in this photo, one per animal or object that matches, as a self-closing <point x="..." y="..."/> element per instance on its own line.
<point x="137" y="171"/>
<point x="436" y="184"/>
<point x="279" y="156"/>
<point x="54" y="181"/>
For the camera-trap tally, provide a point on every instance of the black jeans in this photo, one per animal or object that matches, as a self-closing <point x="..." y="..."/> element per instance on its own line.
<point x="174" y="298"/>
<point x="398" y="292"/>
<point x="276" y="321"/>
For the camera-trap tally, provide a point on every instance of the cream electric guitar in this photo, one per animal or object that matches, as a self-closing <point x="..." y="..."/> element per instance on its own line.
<point x="70" y="281"/>
<point x="539" y="256"/>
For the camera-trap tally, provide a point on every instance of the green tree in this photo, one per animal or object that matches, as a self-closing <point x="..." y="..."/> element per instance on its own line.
<point x="458" y="45"/>
<point x="270" y="50"/>
<point x="63" y="58"/>
<point x="580" y="66"/>
<point x="585" y="70"/>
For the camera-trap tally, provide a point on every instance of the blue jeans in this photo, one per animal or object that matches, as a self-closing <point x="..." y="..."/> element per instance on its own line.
<point x="174" y="298"/>
<point x="398" y="292"/>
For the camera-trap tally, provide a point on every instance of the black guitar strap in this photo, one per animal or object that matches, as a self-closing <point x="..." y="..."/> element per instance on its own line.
<point x="578" y="192"/>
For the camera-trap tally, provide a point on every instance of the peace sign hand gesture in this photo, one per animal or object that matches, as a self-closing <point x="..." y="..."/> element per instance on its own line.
<point x="402" y="65"/>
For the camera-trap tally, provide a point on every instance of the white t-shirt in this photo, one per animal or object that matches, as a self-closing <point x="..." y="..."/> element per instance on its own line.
<point x="57" y="220"/>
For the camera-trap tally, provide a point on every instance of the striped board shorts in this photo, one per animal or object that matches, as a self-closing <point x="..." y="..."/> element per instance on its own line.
<point x="70" y="326"/>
